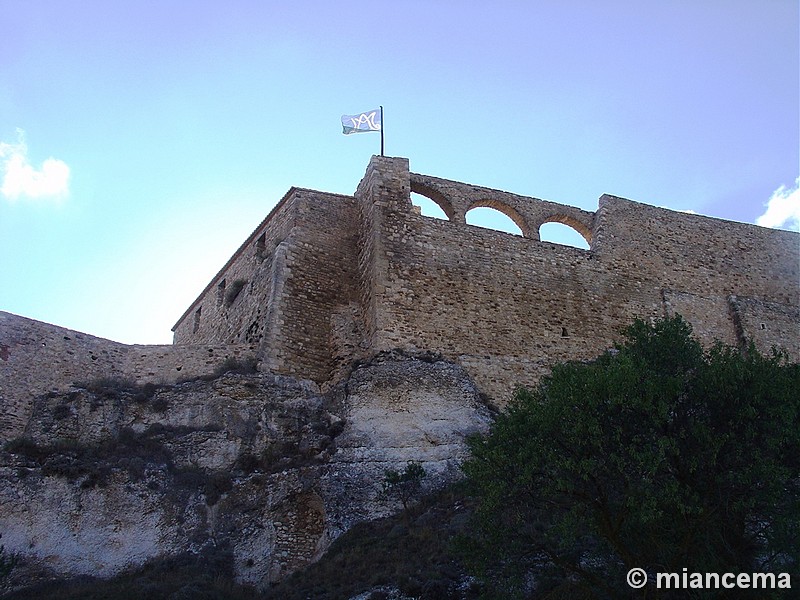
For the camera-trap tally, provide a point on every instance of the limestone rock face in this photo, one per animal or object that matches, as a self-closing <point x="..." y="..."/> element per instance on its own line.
<point x="400" y="410"/>
<point x="110" y="475"/>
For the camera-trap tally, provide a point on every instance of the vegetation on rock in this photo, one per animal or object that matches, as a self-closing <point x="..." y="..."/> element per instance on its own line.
<point x="405" y="485"/>
<point x="413" y="552"/>
<point x="208" y="576"/>
<point x="657" y="455"/>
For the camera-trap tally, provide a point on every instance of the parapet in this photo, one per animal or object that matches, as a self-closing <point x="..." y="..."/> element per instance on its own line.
<point x="529" y="214"/>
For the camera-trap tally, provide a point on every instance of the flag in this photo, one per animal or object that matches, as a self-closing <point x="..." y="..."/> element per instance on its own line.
<point x="366" y="121"/>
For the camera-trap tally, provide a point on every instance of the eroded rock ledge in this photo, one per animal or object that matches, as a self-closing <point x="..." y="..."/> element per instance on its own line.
<point x="109" y="475"/>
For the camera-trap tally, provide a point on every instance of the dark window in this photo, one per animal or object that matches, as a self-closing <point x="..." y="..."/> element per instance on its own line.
<point x="197" y="320"/>
<point x="221" y="292"/>
<point x="261" y="245"/>
<point x="233" y="291"/>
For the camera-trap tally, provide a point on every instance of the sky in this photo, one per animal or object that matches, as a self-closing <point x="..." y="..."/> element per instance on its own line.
<point x="142" y="142"/>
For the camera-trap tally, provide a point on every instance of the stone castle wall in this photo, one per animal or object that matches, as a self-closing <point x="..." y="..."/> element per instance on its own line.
<point x="327" y="280"/>
<point x="290" y="288"/>
<point x="233" y="307"/>
<point x="353" y="276"/>
<point x="37" y="358"/>
<point x="507" y="307"/>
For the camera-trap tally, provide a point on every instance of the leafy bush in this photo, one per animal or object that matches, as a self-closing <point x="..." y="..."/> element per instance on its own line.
<point x="208" y="576"/>
<point x="232" y="364"/>
<point x="95" y="464"/>
<point x="113" y="388"/>
<point x="412" y="553"/>
<point x="215" y="486"/>
<point x="62" y="411"/>
<point x="405" y="485"/>
<point x="159" y="405"/>
<point x="659" y="456"/>
<point x="242" y="366"/>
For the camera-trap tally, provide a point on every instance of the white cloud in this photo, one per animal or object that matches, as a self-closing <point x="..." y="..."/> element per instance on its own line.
<point x="783" y="209"/>
<point x="21" y="180"/>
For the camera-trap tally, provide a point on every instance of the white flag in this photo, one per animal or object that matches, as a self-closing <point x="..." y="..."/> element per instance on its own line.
<point x="366" y="121"/>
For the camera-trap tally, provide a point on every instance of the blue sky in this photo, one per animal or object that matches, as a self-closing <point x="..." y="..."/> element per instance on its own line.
<point x="141" y="142"/>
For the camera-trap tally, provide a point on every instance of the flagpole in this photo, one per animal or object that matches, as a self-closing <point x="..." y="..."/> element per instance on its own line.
<point x="381" y="131"/>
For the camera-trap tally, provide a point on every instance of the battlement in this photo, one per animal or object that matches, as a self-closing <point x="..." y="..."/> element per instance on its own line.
<point x="529" y="214"/>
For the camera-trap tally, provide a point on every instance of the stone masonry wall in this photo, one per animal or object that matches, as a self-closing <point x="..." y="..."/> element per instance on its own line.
<point x="290" y="288"/>
<point x="507" y="307"/>
<point x="37" y="358"/>
<point x="326" y="280"/>
<point x="318" y="313"/>
<point x="235" y="304"/>
<point x="379" y="191"/>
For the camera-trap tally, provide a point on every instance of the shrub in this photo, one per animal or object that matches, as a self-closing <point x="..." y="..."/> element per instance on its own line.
<point x="215" y="486"/>
<point x="114" y="388"/>
<point x="242" y="366"/>
<point x="406" y="485"/>
<point x="159" y="405"/>
<point x="61" y="412"/>
<point x="208" y="576"/>
<point x="659" y="456"/>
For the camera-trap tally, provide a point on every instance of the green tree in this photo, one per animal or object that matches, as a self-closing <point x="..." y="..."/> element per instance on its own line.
<point x="656" y="455"/>
<point x="405" y="485"/>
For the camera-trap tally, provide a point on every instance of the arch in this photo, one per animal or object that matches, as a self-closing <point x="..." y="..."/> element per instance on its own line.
<point x="506" y="210"/>
<point x="577" y="227"/>
<point x="427" y="207"/>
<point x="491" y="218"/>
<point x="437" y="197"/>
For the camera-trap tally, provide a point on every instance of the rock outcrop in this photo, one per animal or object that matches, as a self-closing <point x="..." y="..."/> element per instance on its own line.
<point x="109" y="474"/>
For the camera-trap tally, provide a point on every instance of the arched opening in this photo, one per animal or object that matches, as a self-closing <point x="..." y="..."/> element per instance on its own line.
<point x="559" y="233"/>
<point x="427" y="207"/>
<point x="432" y="203"/>
<point x="491" y="218"/>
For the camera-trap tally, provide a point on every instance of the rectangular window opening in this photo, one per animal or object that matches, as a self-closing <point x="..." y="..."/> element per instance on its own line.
<point x="261" y="246"/>
<point x="221" y="292"/>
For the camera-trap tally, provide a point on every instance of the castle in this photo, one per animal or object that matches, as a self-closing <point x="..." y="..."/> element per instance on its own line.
<point x="378" y="335"/>
<point x="328" y="279"/>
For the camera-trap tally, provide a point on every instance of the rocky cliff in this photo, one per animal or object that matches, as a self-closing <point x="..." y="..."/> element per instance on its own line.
<point x="110" y="474"/>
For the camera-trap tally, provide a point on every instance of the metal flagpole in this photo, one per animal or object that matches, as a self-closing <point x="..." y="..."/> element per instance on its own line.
<point x="381" y="131"/>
